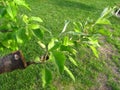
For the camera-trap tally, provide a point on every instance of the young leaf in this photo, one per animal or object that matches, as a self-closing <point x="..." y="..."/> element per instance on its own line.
<point x="56" y="46"/>
<point x="105" y="32"/>
<point x="19" y="40"/>
<point x="94" y="51"/>
<point x="64" y="29"/>
<point x="8" y="40"/>
<point x="51" y="44"/>
<point x="11" y="10"/>
<point x="78" y="26"/>
<point x="22" y="3"/>
<point x="36" y="19"/>
<point x="25" y="19"/>
<point x="67" y="41"/>
<point x="73" y="61"/>
<point x="68" y="48"/>
<point x="93" y="41"/>
<point x="41" y="44"/>
<point x="70" y="73"/>
<point x="103" y="21"/>
<point x="46" y="77"/>
<point x="60" y="60"/>
<point x="21" y="36"/>
<point x="34" y="26"/>
<point x="37" y="59"/>
<point x="7" y="43"/>
<point x="106" y="12"/>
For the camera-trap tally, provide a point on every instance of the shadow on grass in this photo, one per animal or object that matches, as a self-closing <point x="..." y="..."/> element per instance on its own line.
<point x="73" y="5"/>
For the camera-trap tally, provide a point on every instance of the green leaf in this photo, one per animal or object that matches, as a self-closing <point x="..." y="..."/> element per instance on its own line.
<point x="93" y="41"/>
<point x="56" y="46"/>
<point x="41" y="44"/>
<point x="67" y="41"/>
<point x="2" y="36"/>
<point x="95" y="51"/>
<point x="22" y="3"/>
<point x="103" y="21"/>
<point x="78" y="26"/>
<point x="64" y="28"/>
<point x="11" y="10"/>
<point x="51" y="44"/>
<point x="19" y="40"/>
<point x="38" y="33"/>
<point x="10" y="44"/>
<point x="46" y="30"/>
<point x="68" y="48"/>
<point x="59" y="60"/>
<point x="46" y="77"/>
<point x="8" y="40"/>
<point x="76" y="33"/>
<point x="34" y="26"/>
<point x="106" y="12"/>
<point x="1" y="48"/>
<point x="21" y="36"/>
<point x="105" y="32"/>
<point x="7" y="43"/>
<point x="73" y="61"/>
<point x="25" y="19"/>
<point x="70" y="73"/>
<point x="37" y="59"/>
<point x="38" y="19"/>
<point x="2" y="11"/>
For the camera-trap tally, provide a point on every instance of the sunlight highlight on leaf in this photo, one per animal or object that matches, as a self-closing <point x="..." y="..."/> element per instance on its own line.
<point x="70" y="73"/>
<point x="73" y="61"/>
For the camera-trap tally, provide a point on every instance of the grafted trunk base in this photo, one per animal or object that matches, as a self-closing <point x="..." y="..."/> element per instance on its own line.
<point x="16" y="60"/>
<point x="12" y="61"/>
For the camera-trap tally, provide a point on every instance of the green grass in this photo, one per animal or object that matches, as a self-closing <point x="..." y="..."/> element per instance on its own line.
<point x="54" y="13"/>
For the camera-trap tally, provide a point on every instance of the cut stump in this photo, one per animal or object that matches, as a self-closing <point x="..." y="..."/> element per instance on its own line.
<point x="12" y="61"/>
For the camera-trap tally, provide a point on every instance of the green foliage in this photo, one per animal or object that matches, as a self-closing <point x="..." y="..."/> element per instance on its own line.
<point x="86" y="34"/>
<point x="60" y="60"/>
<point x="17" y="28"/>
<point x="64" y="46"/>
<point x="46" y="77"/>
<point x="70" y="73"/>
<point x="104" y="16"/>
<point x="72" y="60"/>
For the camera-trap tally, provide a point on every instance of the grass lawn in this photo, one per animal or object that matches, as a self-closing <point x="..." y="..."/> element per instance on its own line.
<point x="92" y="73"/>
